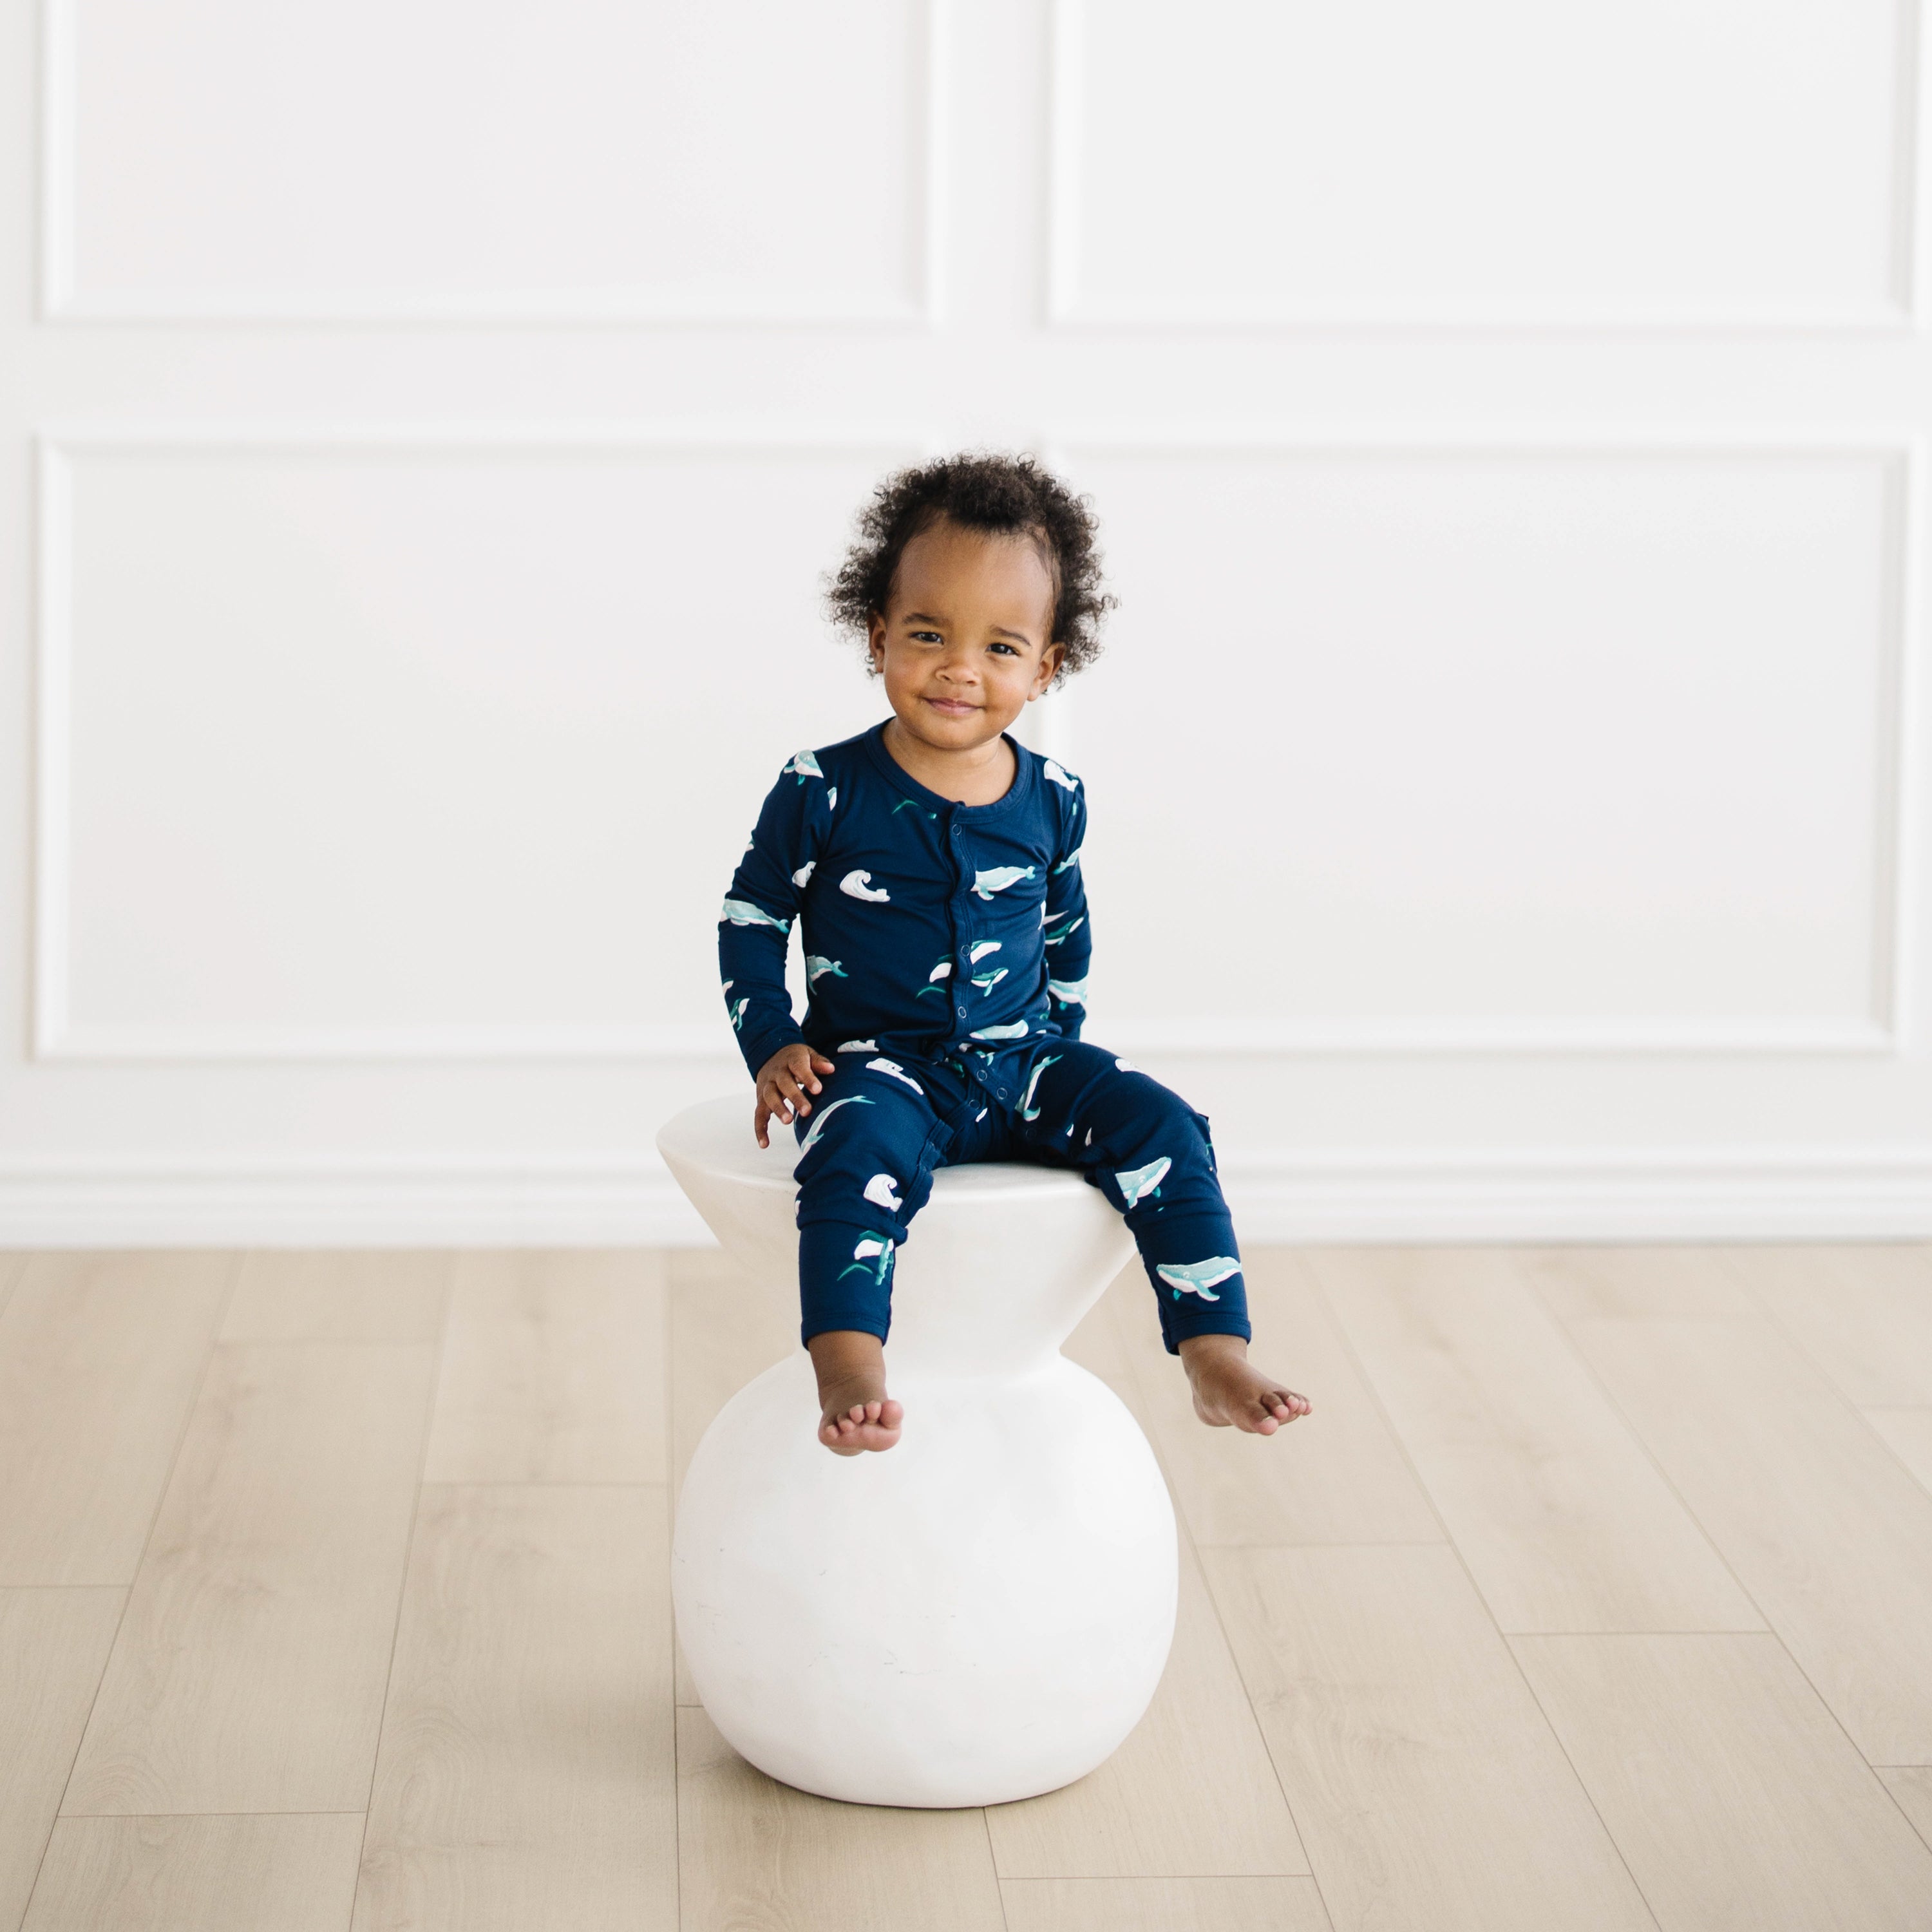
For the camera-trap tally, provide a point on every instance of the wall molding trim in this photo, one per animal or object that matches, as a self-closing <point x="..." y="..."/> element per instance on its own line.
<point x="1900" y="314"/>
<point x="61" y="299"/>
<point x="1370" y="1195"/>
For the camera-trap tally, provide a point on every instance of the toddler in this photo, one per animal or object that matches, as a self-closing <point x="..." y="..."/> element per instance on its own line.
<point x="933" y="865"/>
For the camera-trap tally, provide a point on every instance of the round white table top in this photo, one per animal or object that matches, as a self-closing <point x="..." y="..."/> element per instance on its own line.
<point x="714" y="1137"/>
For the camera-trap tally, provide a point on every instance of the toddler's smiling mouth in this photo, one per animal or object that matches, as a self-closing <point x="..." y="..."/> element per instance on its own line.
<point x="953" y="707"/>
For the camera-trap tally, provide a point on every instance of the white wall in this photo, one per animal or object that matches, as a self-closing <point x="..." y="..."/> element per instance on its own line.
<point x="427" y="429"/>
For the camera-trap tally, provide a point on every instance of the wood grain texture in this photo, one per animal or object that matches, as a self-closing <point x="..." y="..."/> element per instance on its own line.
<point x="1336" y="1476"/>
<point x="1562" y="1519"/>
<point x="100" y="1357"/>
<point x="1578" y="1281"/>
<point x="249" y="1671"/>
<point x="340" y="1295"/>
<point x="1163" y="1905"/>
<point x="1911" y="1788"/>
<point x="1192" y="1790"/>
<point x="756" y="1854"/>
<point x="53" y="1648"/>
<point x="527" y="1776"/>
<point x="281" y="1874"/>
<point x="1908" y="1432"/>
<point x="1830" y="1535"/>
<point x="1428" y="1789"/>
<point x="1737" y="1801"/>
<point x="552" y="1369"/>
<point x="1861" y="1311"/>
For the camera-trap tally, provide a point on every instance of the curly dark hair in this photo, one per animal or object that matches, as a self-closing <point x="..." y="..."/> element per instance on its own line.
<point x="983" y="490"/>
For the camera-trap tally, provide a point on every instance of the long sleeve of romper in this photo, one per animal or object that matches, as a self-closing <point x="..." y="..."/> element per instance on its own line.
<point x="1068" y="933"/>
<point x="754" y="928"/>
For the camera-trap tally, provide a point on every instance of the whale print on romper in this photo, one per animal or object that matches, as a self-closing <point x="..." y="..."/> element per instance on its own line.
<point x="1016" y="1031"/>
<point x="858" y="885"/>
<point x="1065" y="933"/>
<point x="882" y="1190"/>
<point x="997" y="878"/>
<point x="1136" y="1184"/>
<point x="872" y="1256"/>
<point x="824" y="1114"/>
<point x="802" y="877"/>
<point x="735" y="1008"/>
<point x="898" y="1072"/>
<point x="1068" y="992"/>
<point x="804" y="764"/>
<point x="858" y="1046"/>
<point x="1028" y="1111"/>
<point x="1197" y="1277"/>
<point x="986" y="982"/>
<point x="943" y="970"/>
<point x="816" y="969"/>
<point x="741" y="912"/>
<point x="1059" y="777"/>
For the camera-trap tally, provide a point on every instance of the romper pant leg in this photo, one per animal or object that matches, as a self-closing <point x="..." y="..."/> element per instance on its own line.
<point x="1150" y="1153"/>
<point x="866" y="1152"/>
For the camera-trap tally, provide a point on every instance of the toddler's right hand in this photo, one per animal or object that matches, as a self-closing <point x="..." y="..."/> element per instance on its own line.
<point x="783" y="1082"/>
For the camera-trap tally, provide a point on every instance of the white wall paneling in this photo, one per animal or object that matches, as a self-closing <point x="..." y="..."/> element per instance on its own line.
<point x="553" y="159"/>
<point x="381" y="744"/>
<point x="1585" y="745"/>
<point x="1673" y="164"/>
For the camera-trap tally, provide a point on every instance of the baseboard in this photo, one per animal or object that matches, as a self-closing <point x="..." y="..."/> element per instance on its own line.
<point x="1572" y="1195"/>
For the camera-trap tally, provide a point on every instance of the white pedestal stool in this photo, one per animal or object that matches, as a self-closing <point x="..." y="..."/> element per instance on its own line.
<point x="980" y="1613"/>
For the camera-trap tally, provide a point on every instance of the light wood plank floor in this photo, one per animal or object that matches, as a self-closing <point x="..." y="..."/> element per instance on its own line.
<point x="1596" y="1593"/>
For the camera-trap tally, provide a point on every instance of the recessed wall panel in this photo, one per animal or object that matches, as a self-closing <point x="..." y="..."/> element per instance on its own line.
<point x="569" y="159"/>
<point x="1505" y="161"/>
<point x="386" y="747"/>
<point x="1425" y="746"/>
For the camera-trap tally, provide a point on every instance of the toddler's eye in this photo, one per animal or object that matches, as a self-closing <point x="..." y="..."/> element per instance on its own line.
<point x="925" y="636"/>
<point x="1007" y="648"/>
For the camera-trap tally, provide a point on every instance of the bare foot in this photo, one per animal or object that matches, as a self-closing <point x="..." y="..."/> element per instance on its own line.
<point x="1230" y="1391"/>
<point x="854" y="1410"/>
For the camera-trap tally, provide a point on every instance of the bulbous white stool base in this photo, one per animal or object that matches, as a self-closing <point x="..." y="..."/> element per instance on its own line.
<point x="980" y="1614"/>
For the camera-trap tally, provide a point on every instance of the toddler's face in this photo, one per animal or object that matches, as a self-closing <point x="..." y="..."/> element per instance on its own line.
<point x="963" y="642"/>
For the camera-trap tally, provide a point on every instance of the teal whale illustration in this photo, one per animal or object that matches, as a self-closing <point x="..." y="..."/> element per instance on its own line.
<point x="802" y="877"/>
<point x="824" y="1114"/>
<point x="858" y="885"/>
<point x="832" y="798"/>
<point x="1028" y="1111"/>
<point x="979" y="949"/>
<point x="858" y="1046"/>
<point x="816" y="967"/>
<point x="1136" y="1184"/>
<point x="998" y="878"/>
<point x="898" y="1072"/>
<point x="737" y="1012"/>
<point x="805" y="764"/>
<point x="1071" y="859"/>
<point x="1068" y="992"/>
<point x="1066" y="932"/>
<point x="1016" y="1031"/>
<point x="986" y="982"/>
<point x="1060" y="777"/>
<point x="1197" y="1277"/>
<point x="883" y="1191"/>
<point x="741" y="912"/>
<point x="872" y="1256"/>
<point x="915" y="805"/>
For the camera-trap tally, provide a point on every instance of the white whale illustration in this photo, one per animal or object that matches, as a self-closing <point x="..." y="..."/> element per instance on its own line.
<point x="1061" y="938"/>
<point x="1028" y="1111"/>
<point x="858" y="885"/>
<point x="986" y="982"/>
<point x="1127" y="1066"/>
<point x="832" y="798"/>
<point x="943" y="970"/>
<point x="1060" y="777"/>
<point x="1136" y="1184"/>
<point x="883" y="1189"/>
<point x="737" y="1012"/>
<point x="1016" y="1031"/>
<point x="741" y="912"/>
<point x="1068" y="992"/>
<point x="805" y="764"/>
<point x="802" y="877"/>
<point x="824" y="1114"/>
<point x="980" y="949"/>
<point x="1197" y="1277"/>
<point x="858" y="1046"/>
<point x="897" y="1072"/>
<point x="997" y="878"/>
<point x="817" y="967"/>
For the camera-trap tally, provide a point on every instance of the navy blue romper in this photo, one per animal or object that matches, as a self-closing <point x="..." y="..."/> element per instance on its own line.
<point x="947" y="948"/>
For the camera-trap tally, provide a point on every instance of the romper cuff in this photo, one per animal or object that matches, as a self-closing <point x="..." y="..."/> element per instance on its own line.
<point x="758" y="1047"/>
